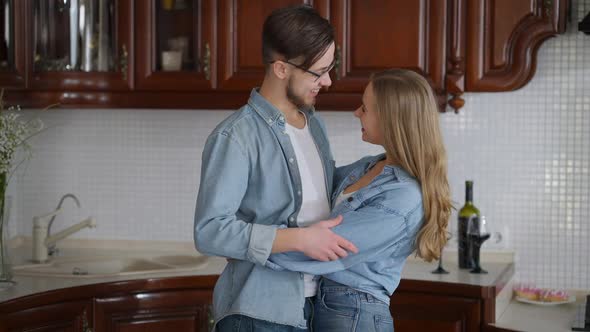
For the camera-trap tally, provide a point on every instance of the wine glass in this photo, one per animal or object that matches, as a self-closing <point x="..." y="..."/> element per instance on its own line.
<point x="477" y="232"/>
<point x="440" y="269"/>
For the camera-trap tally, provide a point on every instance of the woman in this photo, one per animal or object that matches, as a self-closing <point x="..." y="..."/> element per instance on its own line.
<point x="392" y="204"/>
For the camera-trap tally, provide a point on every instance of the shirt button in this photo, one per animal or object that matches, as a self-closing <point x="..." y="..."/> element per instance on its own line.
<point x="301" y="275"/>
<point x="299" y="192"/>
<point x="291" y="160"/>
<point x="291" y="219"/>
<point x="350" y="199"/>
<point x="269" y="121"/>
<point x="282" y="118"/>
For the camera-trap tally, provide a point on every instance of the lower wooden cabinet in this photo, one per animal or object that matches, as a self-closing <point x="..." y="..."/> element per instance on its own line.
<point x="156" y="304"/>
<point x="75" y="316"/>
<point x="181" y="310"/>
<point x="424" y="312"/>
<point x="184" y="304"/>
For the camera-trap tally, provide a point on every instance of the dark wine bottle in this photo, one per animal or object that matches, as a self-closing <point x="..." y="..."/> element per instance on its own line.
<point x="467" y="212"/>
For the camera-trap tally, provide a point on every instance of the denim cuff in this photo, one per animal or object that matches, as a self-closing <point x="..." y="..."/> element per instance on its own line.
<point x="261" y="240"/>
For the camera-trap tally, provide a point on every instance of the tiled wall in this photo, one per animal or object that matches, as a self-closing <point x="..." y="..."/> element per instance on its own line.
<point x="528" y="151"/>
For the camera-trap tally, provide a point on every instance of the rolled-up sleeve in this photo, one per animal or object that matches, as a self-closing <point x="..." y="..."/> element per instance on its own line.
<point x="224" y="181"/>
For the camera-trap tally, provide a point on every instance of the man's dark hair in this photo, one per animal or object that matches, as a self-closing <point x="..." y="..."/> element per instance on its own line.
<point x="296" y="31"/>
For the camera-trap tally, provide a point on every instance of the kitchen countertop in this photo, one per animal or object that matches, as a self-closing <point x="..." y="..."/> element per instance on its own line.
<point x="510" y="314"/>
<point x="526" y="317"/>
<point x="414" y="269"/>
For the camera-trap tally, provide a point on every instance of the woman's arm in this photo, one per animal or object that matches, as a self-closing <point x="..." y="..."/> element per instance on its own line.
<point x="376" y="232"/>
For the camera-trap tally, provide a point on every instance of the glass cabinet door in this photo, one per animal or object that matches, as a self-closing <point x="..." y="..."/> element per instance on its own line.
<point x="176" y="50"/>
<point x="11" y="48"/>
<point x="7" y="35"/>
<point x="80" y="44"/>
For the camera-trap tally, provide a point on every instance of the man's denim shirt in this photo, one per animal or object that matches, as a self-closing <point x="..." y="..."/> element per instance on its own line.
<point x="250" y="186"/>
<point x="382" y="219"/>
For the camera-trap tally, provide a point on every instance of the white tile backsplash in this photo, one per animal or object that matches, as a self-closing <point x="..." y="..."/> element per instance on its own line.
<point x="528" y="151"/>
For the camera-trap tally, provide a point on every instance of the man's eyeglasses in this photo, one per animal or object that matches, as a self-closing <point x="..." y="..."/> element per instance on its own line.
<point x="316" y="75"/>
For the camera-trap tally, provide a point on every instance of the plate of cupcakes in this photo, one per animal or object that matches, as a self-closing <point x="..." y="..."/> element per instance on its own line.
<point x="541" y="296"/>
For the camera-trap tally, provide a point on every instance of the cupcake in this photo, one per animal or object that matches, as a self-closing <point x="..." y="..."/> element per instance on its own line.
<point x="527" y="292"/>
<point x="553" y="295"/>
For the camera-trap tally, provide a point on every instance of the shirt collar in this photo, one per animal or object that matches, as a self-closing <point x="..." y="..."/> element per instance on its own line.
<point x="395" y="170"/>
<point x="268" y="111"/>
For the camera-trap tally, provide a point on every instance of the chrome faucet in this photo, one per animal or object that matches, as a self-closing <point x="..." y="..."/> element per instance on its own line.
<point x="53" y="249"/>
<point x="43" y="241"/>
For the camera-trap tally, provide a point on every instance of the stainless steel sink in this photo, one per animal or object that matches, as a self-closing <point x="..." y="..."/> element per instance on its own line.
<point x="102" y="266"/>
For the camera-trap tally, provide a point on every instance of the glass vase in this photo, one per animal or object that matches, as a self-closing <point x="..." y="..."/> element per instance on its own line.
<point x="5" y="265"/>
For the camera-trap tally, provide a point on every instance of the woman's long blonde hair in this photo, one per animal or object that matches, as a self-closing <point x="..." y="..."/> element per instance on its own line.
<point x="409" y="115"/>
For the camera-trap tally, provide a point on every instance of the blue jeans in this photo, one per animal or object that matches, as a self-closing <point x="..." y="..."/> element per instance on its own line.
<point x="240" y="323"/>
<point x="339" y="308"/>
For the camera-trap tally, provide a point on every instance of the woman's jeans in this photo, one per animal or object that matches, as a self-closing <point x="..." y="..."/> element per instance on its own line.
<point x="339" y="308"/>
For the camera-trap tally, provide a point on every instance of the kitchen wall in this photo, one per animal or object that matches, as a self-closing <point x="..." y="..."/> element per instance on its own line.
<point x="528" y="151"/>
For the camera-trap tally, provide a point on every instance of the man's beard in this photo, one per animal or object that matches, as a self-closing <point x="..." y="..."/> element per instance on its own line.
<point x="295" y="99"/>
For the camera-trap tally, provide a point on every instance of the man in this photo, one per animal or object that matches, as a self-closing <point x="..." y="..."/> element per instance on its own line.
<point x="267" y="170"/>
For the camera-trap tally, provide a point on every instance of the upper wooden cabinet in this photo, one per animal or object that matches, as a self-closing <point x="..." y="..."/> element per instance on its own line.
<point x="373" y="35"/>
<point x="79" y="46"/>
<point x="177" y="49"/>
<point x="207" y="53"/>
<point x="12" y="45"/>
<point x="240" y="41"/>
<point x="503" y="39"/>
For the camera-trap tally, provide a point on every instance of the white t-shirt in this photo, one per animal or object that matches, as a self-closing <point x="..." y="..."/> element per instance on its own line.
<point x="315" y="206"/>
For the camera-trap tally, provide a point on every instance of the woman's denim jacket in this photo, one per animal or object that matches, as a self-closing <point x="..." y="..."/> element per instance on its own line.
<point x="250" y="186"/>
<point x="382" y="220"/>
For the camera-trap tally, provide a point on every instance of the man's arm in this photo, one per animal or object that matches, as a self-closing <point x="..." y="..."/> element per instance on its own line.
<point x="224" y="180"/>
<point x="217" y="230"/>
<point x="376" y="235"/>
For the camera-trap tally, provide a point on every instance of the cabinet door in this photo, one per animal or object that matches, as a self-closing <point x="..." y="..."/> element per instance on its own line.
<point x="176" y="49"/>
<point x="373" y="35"/>
<point x="67" y="316"/>
<point x="422" y="312"/>
<point x="80" y="45"/>
<point x="240" y="40"/>
<point x="12" y="46"/>
<point x="503" y="37"/>
<point x="187" y="310"/>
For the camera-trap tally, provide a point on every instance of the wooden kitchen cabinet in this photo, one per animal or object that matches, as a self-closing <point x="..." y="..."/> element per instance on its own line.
<point x="424" y="312"/>
<point x="70" y="316"/>
<point x="503" y="37"/>
<point x="240" y="40"/>
<point x="187" y="29"/>
<point x="179" y="310"/>
<point x="97" y="61"/>
<point x="154" y="304"/>
<point x="418" y="305"/>
<point x="458" y="45"/>
<point x="375" y="35"/>
<point x="12" y="45"/>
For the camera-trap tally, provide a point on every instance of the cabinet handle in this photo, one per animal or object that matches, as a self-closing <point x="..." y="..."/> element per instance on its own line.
<point x="207" y="62"/>
<point x="210" y="318"/>
<point x="123" y="61"/>
<point x="338" y="61"/>
<point x="85" y="327"/>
